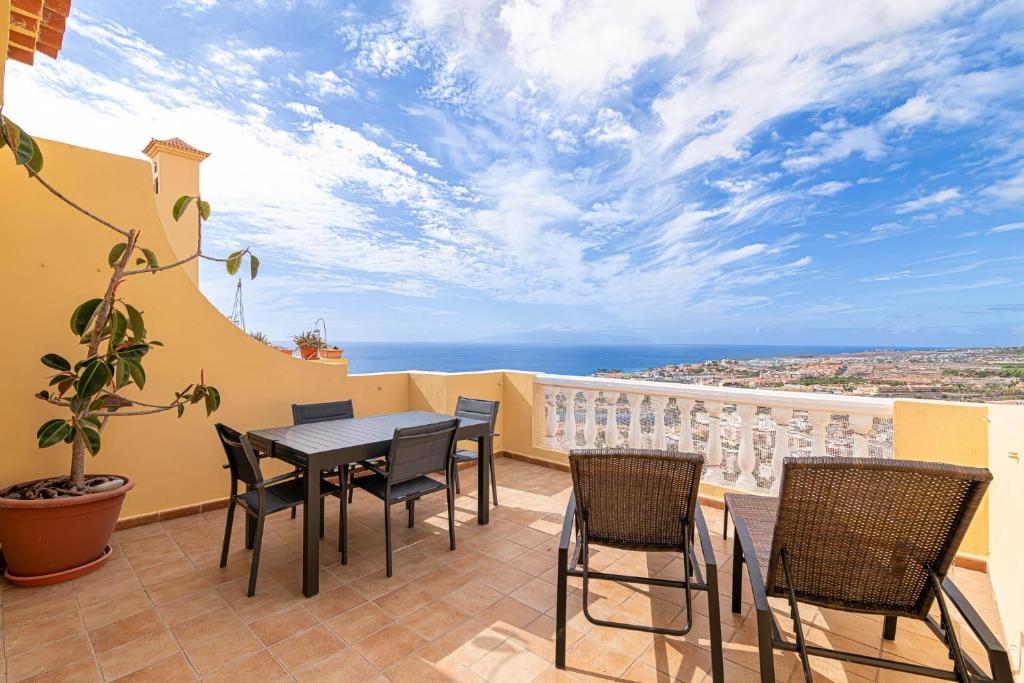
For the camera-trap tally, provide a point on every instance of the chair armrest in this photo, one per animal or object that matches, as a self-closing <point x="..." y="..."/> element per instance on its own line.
<point x="276" y="480"/>
<point x="373" y="468"/>
<point x="706" y="548"/>
<point x="570" y="519"/>
<point x="753" y="570"/>
<point x="973" y="619"/>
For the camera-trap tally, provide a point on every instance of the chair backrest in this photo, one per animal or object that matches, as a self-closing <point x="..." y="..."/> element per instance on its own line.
<point x="304" y="413"/>
<point x="477" y="409"/>
<point x="416" y="451"/>
<point x="242" y="460"/>
<point x="862" y="532"/>
<point x="636" y="499"/>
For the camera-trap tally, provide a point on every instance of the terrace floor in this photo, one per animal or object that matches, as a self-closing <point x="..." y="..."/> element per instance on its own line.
<point x="162" y="610"/>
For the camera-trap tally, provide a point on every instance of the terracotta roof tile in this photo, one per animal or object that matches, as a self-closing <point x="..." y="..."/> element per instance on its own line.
<point x="176" y="144"/>
<point x="36" y="26"/>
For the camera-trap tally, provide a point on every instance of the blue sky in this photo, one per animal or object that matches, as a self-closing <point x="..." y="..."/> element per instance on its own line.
<point x="692" y="172"/>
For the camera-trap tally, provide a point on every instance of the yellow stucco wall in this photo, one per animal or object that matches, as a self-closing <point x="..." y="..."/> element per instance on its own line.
<point x="1006" y="508"/>
<point x="955" y="433"/>
<point x="179" y="175"/>
<point x="5" y="24"/>
<point x="54" y="258"/>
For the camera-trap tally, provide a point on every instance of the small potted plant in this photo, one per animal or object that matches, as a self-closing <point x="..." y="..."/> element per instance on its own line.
<point x="58" y="528"/>
<point x="309" y="344"/>
<point x="260" y="337"/>
<point x="331" y="352"/>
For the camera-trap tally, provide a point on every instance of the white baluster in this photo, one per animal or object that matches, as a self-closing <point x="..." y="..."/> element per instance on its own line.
<point x="590" y="426"/>
<point x="819" y="432"/>
<point x="713" y="457"/>
<point x="635" y="435"/>
<point x="551" y="405"/>
<point x="862" y="426"/>
<point x="782" y="419"/>
<point x="685" y="425"/>
<point x="659" y="403"/>
<point x="570" y="420"/>
<point x="747" y="458"/>
<point x="611" y="429"/>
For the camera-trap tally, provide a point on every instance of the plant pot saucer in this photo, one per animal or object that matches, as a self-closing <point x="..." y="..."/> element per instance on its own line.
<point x="58" y="577"/>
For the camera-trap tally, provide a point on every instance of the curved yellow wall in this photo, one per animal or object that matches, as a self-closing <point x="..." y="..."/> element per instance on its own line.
<point x="52" y="258"/>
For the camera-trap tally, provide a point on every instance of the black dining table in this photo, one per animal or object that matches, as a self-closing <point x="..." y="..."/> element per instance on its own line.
<point x="317" y="447"/>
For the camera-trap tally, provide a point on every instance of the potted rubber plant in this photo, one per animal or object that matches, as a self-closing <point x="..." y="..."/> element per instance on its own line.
<point x="59" y="527"/>
<point x="310" y="343"/>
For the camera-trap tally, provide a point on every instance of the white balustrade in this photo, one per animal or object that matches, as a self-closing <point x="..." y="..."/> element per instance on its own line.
<point x="772" y="424"/>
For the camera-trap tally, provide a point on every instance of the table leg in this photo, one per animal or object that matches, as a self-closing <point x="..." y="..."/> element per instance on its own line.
<point x="311" y="531"/>
<point x="483" y="480"/>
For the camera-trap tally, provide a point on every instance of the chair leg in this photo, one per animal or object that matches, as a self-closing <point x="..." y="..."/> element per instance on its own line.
<point x="889" y="628"/>
<point x="725" y="522"/>
<point x="343" y="525"/>
<point x="410" y="505"/>
<point x="560" y="608"/>
<point x="321" y="518"/>
<point x="257" y="544"/>
<point x="293" y="512"/>
<point x="737" y="575"/>
<point x="764" y="646"/>
<point x="455" y="473"/>
<point x="494" y="481"/>
<point x="451" y="517"/>
<point x="227" y="534"/>
<point x="387" y="533"/>
<point x="348" y="476"/>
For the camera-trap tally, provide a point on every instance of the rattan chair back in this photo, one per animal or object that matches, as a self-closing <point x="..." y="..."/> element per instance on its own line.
<point x="422" y="450"/>
<point x="242" y="460"/>
<point x="861" y="533"/>
<point x="304" y="413"/>
<point x="636" y="499"/>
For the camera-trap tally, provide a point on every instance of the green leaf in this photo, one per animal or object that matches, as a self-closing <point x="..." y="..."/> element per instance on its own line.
<point x="204" y="209"/>
<point x="63" y="386"/>
<point x="136" y="322"/>
<point x="13" y="132"/>
<point x="115" y="401"/>
<point x="181" y="206"/>
<point x="35" y="162"/>
<point x="92" y="439"/>
<point x="137" y="372"/>
<point x="212" y="400"/>
<point x="94" y="377"/>
<point x="26" y="151"/>
<point x="52" y="360"/>
<point x="118" y="326"/>
<point x="82" y="316"/>
<point x="93" y="420"/>
<point x="121" y="374"/>
<point x="44" y="394"/>
<point x="71" y="435"/>
<point x="254" y="266"/>
<point x="133" y="351"/>
<point x="116" y="253"/>
<point x="150" y="257"/>
<point x="52" y="432"/>
<point x="181" y="410"/>
<point x="234" y="262"/>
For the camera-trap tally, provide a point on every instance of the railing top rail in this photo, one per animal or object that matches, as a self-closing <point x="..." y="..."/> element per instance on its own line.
<point x="862" y="405"/>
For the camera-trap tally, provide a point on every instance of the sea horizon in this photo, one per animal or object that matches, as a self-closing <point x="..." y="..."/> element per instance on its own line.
<point x="568" y="359"/>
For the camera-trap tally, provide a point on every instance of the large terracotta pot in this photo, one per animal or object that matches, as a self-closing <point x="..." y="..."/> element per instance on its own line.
<point x="309" y="352"/>
<point x="57" y="539"/>
<point x="331" y="354"/>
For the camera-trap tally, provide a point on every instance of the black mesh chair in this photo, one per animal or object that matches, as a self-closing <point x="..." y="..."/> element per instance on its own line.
<point x="262" y="497"/>
<point x="645" y="501"/>
<point x="304" y="413"/>
<point x="415" y="453"/>
<point x="478" y="410"/>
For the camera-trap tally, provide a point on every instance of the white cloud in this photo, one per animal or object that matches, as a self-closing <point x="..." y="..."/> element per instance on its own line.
<point x="329" y="83"/>
<point x="829" y="188"/>
<point x="611" y="127"/>
<point x="865" y="140"/>
<point x="1010" y="191"/>
<point x="944" y="196"/>
<point x="1006" y="227"/>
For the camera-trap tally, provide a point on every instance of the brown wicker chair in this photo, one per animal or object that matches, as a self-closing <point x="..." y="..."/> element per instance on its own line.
<point x="862" y="535"/>
<point x="640" y="500"/>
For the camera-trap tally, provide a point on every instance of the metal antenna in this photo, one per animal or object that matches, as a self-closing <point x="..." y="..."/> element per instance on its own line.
<point x="319" y="322"/>
<point x="238" y="310"/>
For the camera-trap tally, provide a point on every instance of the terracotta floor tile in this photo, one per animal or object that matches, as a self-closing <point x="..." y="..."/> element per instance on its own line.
<point x="465" y="644"/>
<point x="509" y="663"/>
<point x="403" y="601"/>
<point x="473" y="597"/>
<point x="42" y="631"/>
<point x="538" y="594"/>
<point x="126" y="630"/>
<point x="277" y="627"/>
<point x="81" y="671"/>
<point x="24" y="612"/>
<point x="306" y="648"/>
<point x="191" y="606"/>
<point x="115" y="609"/>
<point x="434" y="619"/>
<point x="389" y="645"/>
<point x="53" y="655"/>
<point x="333" y="602"/>
<point x="258" y="667"/>
<point x="174" y="669"/>
<point x="137" y="655"/>
<point x="175" y="589"/>
<point x="508" y="611"/>
<point x="359" y="622"/>
<point x="503" y="579"/>
<point x="343" y="666"/>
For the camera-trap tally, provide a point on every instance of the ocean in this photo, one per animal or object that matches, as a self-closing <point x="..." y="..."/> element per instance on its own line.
<point x="563" y="359"/>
